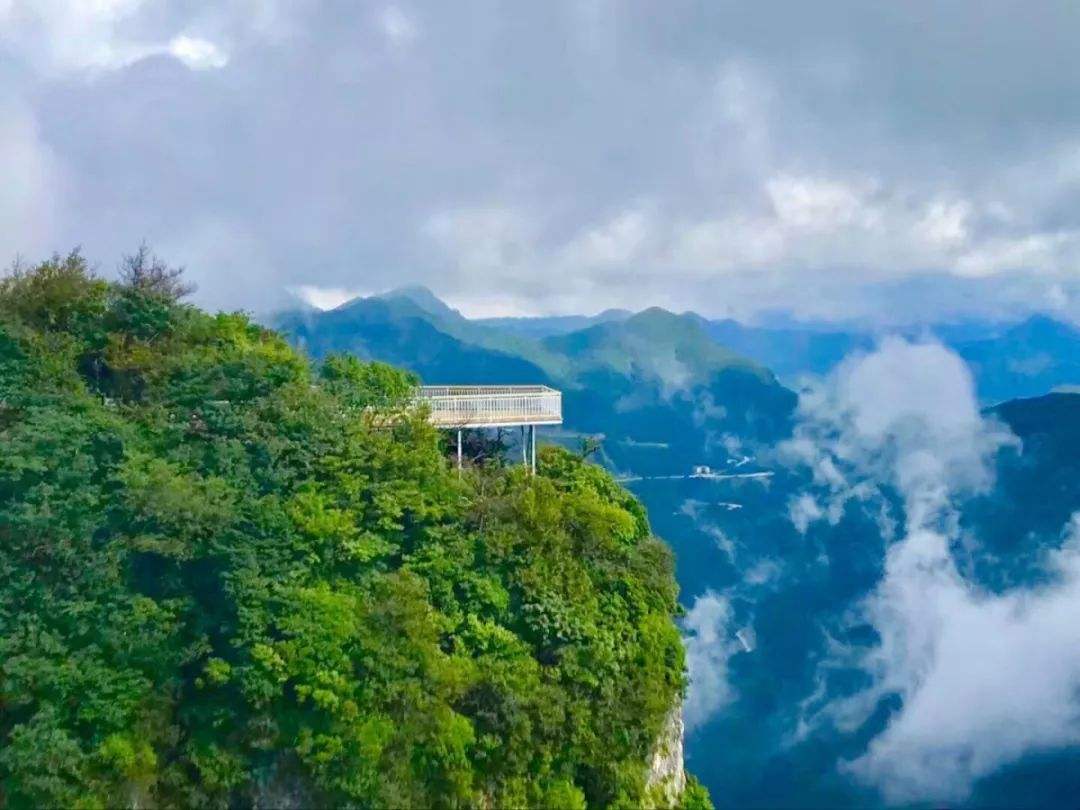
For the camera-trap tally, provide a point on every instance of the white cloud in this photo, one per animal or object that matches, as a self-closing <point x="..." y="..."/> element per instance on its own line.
<point x="904" y="415"/>
<point x="707" y="168"/>
<point x="763" y="572"/>
<point x="726" y="243"/>
<point x="325" y="298"/>
<point x="804" y="510"/>
<point x="904" y="384"/>
<point x="984" y="678"/>
<point x="490" y="239"/>
<point x="54" y="35"/>
<point x="197" y="53"/>
<point x="57" y="37"/>
<point x="618" y="241"/>
<point x="31" y="186"/>
<point x="709" y="644"/>
<point x="1031" y="251"/>
<point x="843" y="233"/>
<point x="945" y="223"/>
<point x="819" y="205"/>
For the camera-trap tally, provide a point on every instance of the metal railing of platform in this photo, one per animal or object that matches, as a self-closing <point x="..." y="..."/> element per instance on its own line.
<point x="474" y="406"/>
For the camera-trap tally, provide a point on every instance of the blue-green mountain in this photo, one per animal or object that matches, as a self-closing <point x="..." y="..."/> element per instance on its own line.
<point x="1009" y="360"/>
<point x="663" y="395"/>
<point x="416" y="331"/>
<point x="1024" y="360"/>
<point x="542" y="327"/>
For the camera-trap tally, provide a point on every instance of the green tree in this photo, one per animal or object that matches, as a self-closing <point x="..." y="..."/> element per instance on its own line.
<point x="229" y="577"/>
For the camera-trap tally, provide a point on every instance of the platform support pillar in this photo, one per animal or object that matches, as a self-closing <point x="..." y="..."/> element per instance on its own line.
<point x="459" y="449"/>
<point x="532" y="443"/>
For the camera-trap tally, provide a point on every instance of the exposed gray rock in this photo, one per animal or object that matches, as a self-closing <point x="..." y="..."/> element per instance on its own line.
<point x="667" y="777"/>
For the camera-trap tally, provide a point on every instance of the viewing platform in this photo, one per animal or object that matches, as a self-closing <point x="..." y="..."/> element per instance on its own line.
<point x="462" y="407"/>
<point x="491" y="406"/>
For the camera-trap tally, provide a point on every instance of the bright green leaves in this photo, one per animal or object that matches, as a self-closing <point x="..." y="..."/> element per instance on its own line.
<point x="333" y="534"/>
<point x="215" y="673"/>
<point x="564" y="795"/>
<point x="263" y="679"/>
<point x="229" y="578"/>
<point x="364" y="385"/>
<point x="131" y="758"/>
<point x="317" y="653"/>
<point x="59" y="294"/>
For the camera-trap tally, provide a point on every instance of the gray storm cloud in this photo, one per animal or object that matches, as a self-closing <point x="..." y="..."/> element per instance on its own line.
<point x="831" y="158"/>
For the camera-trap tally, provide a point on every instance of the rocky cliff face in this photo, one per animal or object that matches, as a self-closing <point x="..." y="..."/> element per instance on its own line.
<point x="667" y="777"/>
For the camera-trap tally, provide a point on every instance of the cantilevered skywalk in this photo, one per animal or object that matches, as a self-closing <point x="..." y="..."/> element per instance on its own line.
<point x="462" y="407"/>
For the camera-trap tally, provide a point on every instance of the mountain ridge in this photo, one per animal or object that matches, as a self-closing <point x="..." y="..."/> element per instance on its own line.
<point x="653" y="383"/>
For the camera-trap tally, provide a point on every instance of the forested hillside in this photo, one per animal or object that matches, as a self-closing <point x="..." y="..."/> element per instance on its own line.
<point x="230" y="577"/>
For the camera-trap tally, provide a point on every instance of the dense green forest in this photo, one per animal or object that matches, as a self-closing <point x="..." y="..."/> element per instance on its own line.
<point x="233" y="577"/>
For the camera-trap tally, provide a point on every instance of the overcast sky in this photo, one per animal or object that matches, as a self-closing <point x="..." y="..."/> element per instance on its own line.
<point x="836" y="159"/>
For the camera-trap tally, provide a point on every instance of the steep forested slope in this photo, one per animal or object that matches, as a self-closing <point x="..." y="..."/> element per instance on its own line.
<point x="229" y="577"/>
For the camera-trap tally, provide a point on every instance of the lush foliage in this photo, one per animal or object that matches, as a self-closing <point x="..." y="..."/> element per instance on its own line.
<point x="228" y="577"/>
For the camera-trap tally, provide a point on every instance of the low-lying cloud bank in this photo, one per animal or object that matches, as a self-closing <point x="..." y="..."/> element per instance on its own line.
<point x="982" y="678"/>
<point x="709" y="644"/>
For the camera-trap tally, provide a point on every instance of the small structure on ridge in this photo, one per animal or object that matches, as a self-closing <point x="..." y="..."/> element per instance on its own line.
<point x="463" y="407"/>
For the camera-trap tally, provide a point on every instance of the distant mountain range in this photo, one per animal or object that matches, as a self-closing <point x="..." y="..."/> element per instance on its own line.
<point x="413" y="329"/>
<point x="1023" y="359"/>
<point x="543" y="327"/>
<point x="666" y="391"/>
<point x="410" y="326"/>
<point x="661" y="391"/>
<point x="1036" y="489"/>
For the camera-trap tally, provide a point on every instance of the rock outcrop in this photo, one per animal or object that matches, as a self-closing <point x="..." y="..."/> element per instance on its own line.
<point x="667" y="777"/>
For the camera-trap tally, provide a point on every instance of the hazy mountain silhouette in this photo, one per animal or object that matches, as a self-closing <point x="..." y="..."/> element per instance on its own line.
<point x="1025" y="360"/>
